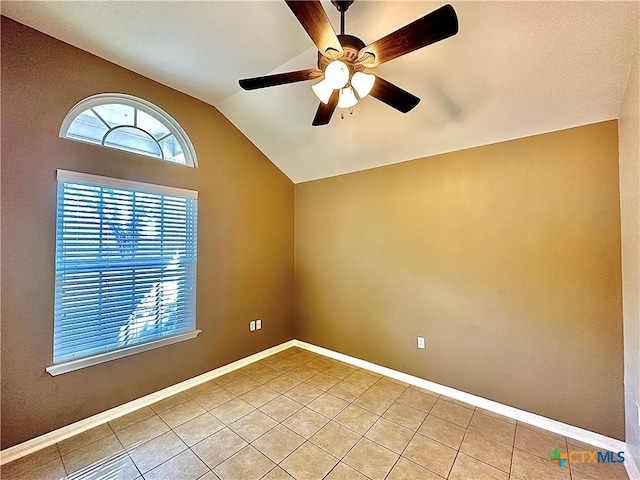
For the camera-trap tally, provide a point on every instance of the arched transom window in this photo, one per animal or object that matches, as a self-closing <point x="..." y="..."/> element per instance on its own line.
<point x="129" y="123"/>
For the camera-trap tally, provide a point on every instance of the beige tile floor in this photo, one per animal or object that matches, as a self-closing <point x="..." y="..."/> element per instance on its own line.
<point x="299" y="415"/>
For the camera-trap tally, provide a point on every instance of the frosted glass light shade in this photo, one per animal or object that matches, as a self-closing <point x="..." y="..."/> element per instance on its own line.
<point x="347" y="98"/>
<point x="363" y="83"/>
<point x="323" y="91"/>
<point x="336" y="74"/>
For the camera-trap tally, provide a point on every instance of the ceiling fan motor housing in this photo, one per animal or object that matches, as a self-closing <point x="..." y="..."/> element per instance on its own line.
<point x="351" y="45"/>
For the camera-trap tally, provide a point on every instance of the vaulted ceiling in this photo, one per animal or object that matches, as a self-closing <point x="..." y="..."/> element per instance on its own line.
<point x="515" y="69"/>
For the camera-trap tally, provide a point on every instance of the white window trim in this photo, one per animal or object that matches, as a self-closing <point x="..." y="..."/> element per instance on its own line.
<point x="71" y="365"/>
<point x="77" y="177"/>
<point x="105" y="98"/>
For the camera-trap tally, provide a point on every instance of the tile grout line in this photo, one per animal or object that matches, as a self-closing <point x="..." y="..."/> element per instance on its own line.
<point x="417" y="433"/>
<point x="410" y="440"/>
<point x="513" y="448"/>
<point x="309" y="440"/>
<point x="264" y="433"/>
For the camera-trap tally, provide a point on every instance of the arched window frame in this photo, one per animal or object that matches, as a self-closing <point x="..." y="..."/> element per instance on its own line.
<point x="147" y="107"/>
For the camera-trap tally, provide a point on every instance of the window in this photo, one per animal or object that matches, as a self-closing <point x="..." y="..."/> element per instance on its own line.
<point x="131" y="124"/>
<point x="125" y="268"/>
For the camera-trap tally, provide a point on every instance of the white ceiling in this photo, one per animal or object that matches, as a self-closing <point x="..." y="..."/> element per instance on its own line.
<point x="514" y="69"/>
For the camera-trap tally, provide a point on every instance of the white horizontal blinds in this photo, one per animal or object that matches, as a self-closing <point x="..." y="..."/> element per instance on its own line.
<point x="125" y="266"/>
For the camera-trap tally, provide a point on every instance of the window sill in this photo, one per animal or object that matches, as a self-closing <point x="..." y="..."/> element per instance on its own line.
<point x="71" y="365"/>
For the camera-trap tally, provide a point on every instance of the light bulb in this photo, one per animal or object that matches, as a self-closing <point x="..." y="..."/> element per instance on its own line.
<point x="363" y="83"/>
<point x="347" y="98"/>
<point x="336" y="74"/>
<point x="323" y="91"/>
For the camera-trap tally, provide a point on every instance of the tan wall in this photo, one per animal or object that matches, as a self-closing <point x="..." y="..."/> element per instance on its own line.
<point x="505" y="257"/>
<point x="629" y="138"/>
<point x="245" y="241"/>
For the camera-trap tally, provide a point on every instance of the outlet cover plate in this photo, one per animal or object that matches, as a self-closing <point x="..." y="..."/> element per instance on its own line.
<point x="422" y="345"/>
<point x="258" y="324"/>
<point x="252" y="325"/>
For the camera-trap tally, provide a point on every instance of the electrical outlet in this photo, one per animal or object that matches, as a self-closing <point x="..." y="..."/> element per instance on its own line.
<point x="252" y="325"/>
<point x="258" y="324"/>
<point x="421" y="343"/>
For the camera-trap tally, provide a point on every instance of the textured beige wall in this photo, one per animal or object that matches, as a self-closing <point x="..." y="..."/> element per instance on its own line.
<point x="245" y="235"/>
<point x="629" y="139"/>
<point x="505" y="257"/>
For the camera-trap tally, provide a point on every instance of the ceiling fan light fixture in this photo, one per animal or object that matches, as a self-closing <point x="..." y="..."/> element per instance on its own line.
<point x="337" y="74"/>
<point x="323" y="91"/>
<point x="342" y="59"/>
<point x="347" y="98"/>
<point x="363" y="83"/>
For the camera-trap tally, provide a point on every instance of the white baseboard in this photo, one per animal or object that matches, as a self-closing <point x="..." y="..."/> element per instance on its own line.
<point x="564" y="429"/>
<point x="35" y="444"/>
<point x="554" y="426"/>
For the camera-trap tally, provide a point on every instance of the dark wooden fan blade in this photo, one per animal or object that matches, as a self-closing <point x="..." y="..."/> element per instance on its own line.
<point x="325" y="112"/>
<point x="433" y="27"/>
<point x="314" y="20"/>
<point x="393" y="95"/>
<point x="280" y="79"/>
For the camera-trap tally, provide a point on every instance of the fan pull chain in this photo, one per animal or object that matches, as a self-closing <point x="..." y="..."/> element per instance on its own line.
<point x="342" y="113"/>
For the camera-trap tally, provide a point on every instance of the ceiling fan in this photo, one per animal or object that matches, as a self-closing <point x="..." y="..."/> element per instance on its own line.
<point x="343" y="59"/>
